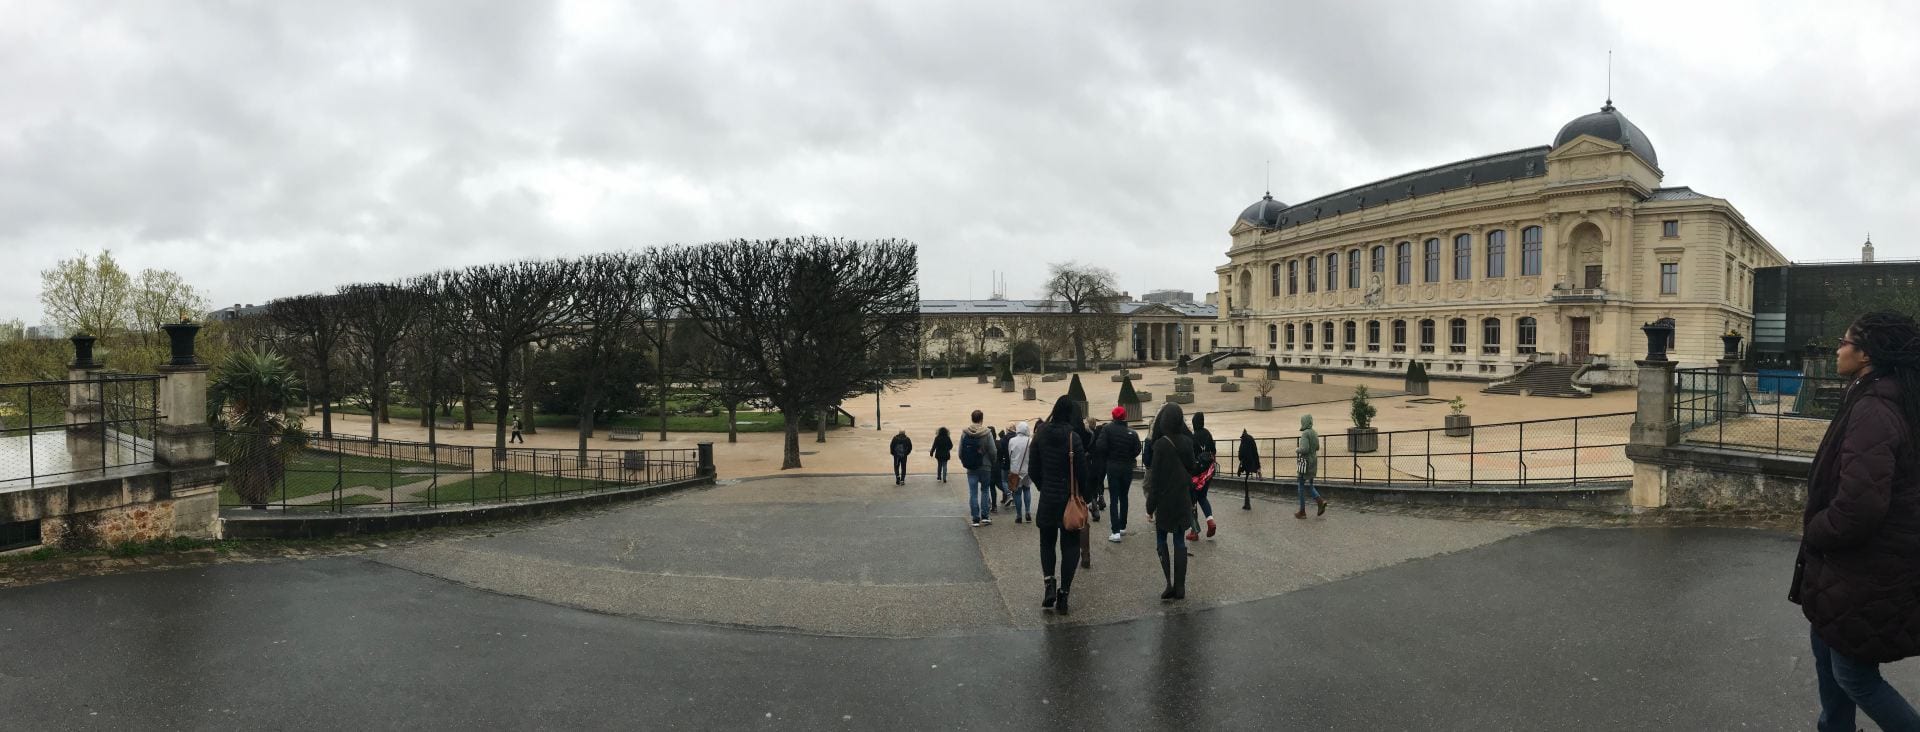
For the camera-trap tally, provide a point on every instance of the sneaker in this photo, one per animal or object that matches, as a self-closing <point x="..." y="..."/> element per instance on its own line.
<point x="976" y="523"/>
<point x="1210" y="527"/>
<point x="1115" y="538"/>
<point x="986" y="522"/>
<point x="1193" y="535"/>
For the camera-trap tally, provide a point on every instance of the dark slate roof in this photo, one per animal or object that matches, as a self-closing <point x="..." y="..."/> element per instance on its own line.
<point x="1264" y="213"/>
<point x="1681" y="193"/>
<point x="1609" y="124"/>
<point x="1525" y="163"/>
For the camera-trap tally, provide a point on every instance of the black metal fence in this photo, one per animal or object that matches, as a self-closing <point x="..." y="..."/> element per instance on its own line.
<point x="1566" y="451"/>
<point x="70" y="428"/>
<point x="1779" y="412"/>
<point x="310" y="473"/>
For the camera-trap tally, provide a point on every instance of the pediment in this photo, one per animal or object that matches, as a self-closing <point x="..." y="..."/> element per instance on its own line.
<point x="1585" y="145"/>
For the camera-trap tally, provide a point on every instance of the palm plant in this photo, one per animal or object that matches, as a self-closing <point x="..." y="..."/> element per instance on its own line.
<point x="252" y="398"/>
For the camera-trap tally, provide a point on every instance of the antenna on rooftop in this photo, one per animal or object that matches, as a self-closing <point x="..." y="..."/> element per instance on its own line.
<point x="1609" y="77"/>
<point x="1269" y="176"/>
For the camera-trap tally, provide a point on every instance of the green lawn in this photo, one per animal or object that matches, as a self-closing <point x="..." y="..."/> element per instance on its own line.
<point x="315" y="471"/>
<point x="482" y="419"/>
<point x="517" y="485"/>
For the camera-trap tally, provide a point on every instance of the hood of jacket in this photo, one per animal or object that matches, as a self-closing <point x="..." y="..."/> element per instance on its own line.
<point x="1020" y="429"/>
<point x="1199" y="420"/>
<point x="1306" y="422"/>
<point x="977" y="430"/>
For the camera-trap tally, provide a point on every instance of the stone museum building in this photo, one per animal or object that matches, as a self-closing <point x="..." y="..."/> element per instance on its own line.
<point x="1480" y="267"/>
<point x="1142" y="331"/>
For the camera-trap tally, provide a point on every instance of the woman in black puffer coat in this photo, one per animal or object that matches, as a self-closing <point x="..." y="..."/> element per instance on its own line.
<point x="1058" y="463"/>
<point x="1169" y="494"/>
<point x="1857" y="579"/>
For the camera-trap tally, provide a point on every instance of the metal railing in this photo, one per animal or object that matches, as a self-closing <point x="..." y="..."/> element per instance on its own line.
<point x="307" y="473"/>
<point x="73" y="428"/>
<point x="1777" y="412"/>
<point x="1567" y="451"/>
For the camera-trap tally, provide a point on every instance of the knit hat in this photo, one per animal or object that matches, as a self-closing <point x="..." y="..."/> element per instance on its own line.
<point x="1119" y="413"/>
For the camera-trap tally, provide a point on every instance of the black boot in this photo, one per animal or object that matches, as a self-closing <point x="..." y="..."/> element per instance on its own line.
<point x="1060" y="604"/>
<point x="1166" y="570"/>
<point x="1180" y="577"/>
<point x="1051" y="597"/>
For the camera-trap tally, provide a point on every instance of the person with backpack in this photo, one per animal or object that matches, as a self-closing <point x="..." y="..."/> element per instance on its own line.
<point x="977" y="457"/>
<point x="901" y="447"/>
<point x="1306" y="460"/>
<point x="1116" y="445"/>
<point x="1057" y="460"/>
<point x="1206" y="450"/>
<point x="1017" y="467"/>
<point x="1169" y="485"/>
<point x="942" y="452"/>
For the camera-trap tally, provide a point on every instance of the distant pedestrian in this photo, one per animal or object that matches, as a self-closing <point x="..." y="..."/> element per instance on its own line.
<point x="1206" y="450"/>
<point x="1857" y="579"/>
<point x="1057" y="460"/>
<point x="1117" y="446"/>
<point x="902" y="447"/>
<point x="1306" y="461"/>
<point x="515" y="437"/>
<point x="1099" y="476"/>
<point x="942" y="452"/>
<point x="1018" y="453"/>
<point x="1000" y="470"/>
<point x="1169" y="483"/>
<point x="977" y="457"/>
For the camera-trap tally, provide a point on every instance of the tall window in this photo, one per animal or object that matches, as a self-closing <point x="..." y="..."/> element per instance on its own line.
<point x="1529" y="333"/>
<point x="1403" y="265"/>
<point x="1273" y="336"/>
<point x="1353" y="269"/>
<point x="1293" y="277"/>
<point x="1457" y="335"/>
<point x="1333" y="271"/>
<point x="1490" y="336"/>
<point x="1463" y="257"/>
<point x="1426" y="336"/>
<point x="1373" y="336"/>
<point x="1379" y="259"/>
<point x="1432" y="260"/>
<point x="1496" y="253"/>
<point x="1530" y="251"/>
<point x="1306" y="334"/>
<point x="1326" y="334"/>
<point x="1399" y="336"/>
<point x="1670" y="228"/>
<point x="1313" y="274"/>
<point x="1669" y="278"/>
<point x="1273" y="279"/>
<point x="1350" y="330"/>
<point x="1289" y="336"/>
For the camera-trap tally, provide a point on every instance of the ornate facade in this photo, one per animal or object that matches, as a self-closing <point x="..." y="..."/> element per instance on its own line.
<point x="1482" y="266"/>
<point x="1143" y="331"/>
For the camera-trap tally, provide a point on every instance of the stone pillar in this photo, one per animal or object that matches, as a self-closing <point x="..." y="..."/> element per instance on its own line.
<point x="1732" y="389"/>
<point x="1653" y="432"/>
<point x="183" y="441"/>
<point x="86" y="429"/>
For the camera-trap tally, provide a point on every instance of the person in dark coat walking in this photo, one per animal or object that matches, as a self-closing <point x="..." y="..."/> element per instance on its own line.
<point x="942" y="452"/>
<point x="1117" y="446"/>
<point x="1057" y="460"/>
<point x="1169" y="488"/>
<point x="901" y="447"/>
<point x="1206" y="450"/>
<point x="1001" y="467"/>
<point x="1857" y="578"/>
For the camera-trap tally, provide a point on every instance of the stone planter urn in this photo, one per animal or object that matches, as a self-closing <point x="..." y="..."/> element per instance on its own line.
<point x="1183" y="397"/>
<point x="1263" y="404"/>
<point x="1146" y="397"/>
<point x="1239" y="372"/>
<point x="1363" y="439"/>
<point x="1006" y="386"/>
<point x="983" y="379"/>
<point x="1459" y="425"/>
<point x="1318" y="379"/>
<point x="180" y="337"/>
<point x="1230" y="386"/>
<point x="1221" y="379"/>
<point x="1029" y="394"/>
<point x="1416" y="388"/>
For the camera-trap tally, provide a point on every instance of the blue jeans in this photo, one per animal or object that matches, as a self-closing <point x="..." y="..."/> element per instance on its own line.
<point x="979" y="492"/>
<point x="1846" y="684"/>
<point x="1303" y="484"/>
<point x="1023" y="497"/>
<point x="1179" y="541"/>
<point x="1119" y="483"/>
<point x="940" y="473"/>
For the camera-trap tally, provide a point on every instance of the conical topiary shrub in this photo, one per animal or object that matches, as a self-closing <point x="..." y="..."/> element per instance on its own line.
<point x="1077" y="394"/>
<point x="1416" y="378"/>
<point x="1129" y="400"/>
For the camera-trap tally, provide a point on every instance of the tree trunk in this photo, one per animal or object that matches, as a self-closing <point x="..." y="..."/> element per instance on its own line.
<point x="733" y="423"/>
<point x="791" y="457"/>
<point x="526" y="391"/>
<point x="326" y="407"/>
<point x="1079" y="351"/>
<point x="820" y="428"/>
<point x="502" y="400"/>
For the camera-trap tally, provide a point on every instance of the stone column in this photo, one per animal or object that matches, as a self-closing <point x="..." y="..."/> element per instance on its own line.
<point x="1653" y="432"/>
<point x="86" y="430"/>
<point x="183" y="441"/>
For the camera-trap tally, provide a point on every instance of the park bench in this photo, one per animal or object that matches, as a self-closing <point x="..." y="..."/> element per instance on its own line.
<point x="448" y="424"/>
<point x="628" y="434"/>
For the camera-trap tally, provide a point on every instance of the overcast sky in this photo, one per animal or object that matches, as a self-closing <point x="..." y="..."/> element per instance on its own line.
<point x="268" y="148"/>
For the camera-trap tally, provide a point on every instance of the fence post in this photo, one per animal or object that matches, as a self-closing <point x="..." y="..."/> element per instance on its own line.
<point x="706" y="460"/>
<point x="1653" y="431"/>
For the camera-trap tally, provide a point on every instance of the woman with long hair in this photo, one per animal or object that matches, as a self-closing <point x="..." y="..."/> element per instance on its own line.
<point x="1057" y="460"/>
<point x="1857" y="578"/>
<point x="942" y="452"/>
<point x="1171" y="464"/>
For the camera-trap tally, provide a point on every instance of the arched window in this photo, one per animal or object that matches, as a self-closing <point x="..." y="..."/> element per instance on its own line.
<point x="1273" y="336"/>
<point x="1373" y="336"/>
<point x="1351" y="329"/>
<point x="1528" y="335"/>
<point x="1379" y="259"/>
<point x="1432" y="260"/>
<point x="996" y="332"/>
<point x="1490" y="336"/>
<point x="1273" y="279"/>
<point x="1289" y="336"/>
<point x="1313" y="274"/>
<point x="1530" y="243"/>
<point x="1353" y="269"/>
<point x="1399" y="336"/>
<point x="1326" y="334"/>
<point x="1426" y="336"/>
<point x="1306" y="335"/>
<point x="1293" y="277"/>
<point x="1333" y="271"/>
<point x="1496" y="253"/>
<point x="1403" y="263"/>
<point x="942" y="332"/>
<point x="1457" y="335"/>
<point x="1462" y="257"/>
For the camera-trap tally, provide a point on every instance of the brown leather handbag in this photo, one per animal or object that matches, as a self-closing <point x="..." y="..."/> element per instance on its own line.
<point x="1075" y="518"/>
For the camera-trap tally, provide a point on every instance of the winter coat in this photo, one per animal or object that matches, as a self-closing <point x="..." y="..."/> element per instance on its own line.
<point x="1017" y="449"/>
<point x="901" y="446"/>
<point x="1308" y="447"/>
<point x="1004" y="461"/>
<point x="1048" y="462"/>
<point x="1203" y="444"/>
<point x="1249" y="454"/>
<point x="976" y="443"/>
<point x="1168" y="481"/>
<point x="1857" y="578"/>
<point x="942" y="447"/>
<point x="1117" y="444"/>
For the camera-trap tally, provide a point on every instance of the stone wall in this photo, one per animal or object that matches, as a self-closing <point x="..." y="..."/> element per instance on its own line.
<point x="1695" y="478"/>
<point x="134" y="504"/>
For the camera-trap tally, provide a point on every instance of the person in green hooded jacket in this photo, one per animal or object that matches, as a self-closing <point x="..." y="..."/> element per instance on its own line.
<point x="1306" y="454"/>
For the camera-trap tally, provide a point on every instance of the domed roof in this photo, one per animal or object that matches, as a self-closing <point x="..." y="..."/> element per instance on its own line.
<point x="1264" y="213"/>
<point x="1608" y="124"/>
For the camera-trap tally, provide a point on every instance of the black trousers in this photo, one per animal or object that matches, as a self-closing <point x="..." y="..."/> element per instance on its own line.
<point x="1069" y="553"/>
<point x="899" y="467"/>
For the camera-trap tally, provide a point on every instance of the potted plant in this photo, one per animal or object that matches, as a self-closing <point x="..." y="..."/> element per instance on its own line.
<point x="1264" y="402"/>
<point x="1416" y="379"/>
<point x="1006" y="377"/>
<point x="1362" y="437"/>
<point x="1180" y="367"/>
<point x="1028" y="393"/>
<point x="1129" y="400"/>
<point x="1458" y="424"/>
<point x="1239" y="371"/>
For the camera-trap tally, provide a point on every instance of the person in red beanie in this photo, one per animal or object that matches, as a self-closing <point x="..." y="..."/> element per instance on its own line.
<point x="1118" y="446"/>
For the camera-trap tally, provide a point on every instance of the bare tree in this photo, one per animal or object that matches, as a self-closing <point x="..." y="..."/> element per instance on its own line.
<point x="714" y="369"/>
<point x="1088" y="298"/>
<point x="613" y="299"/>
<point x="377" y="318"/>
<point x="508" y="306"/>
<point x="312" y="328"/>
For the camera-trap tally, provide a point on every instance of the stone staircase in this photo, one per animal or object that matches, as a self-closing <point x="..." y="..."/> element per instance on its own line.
<point x="1542" y="379"/>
